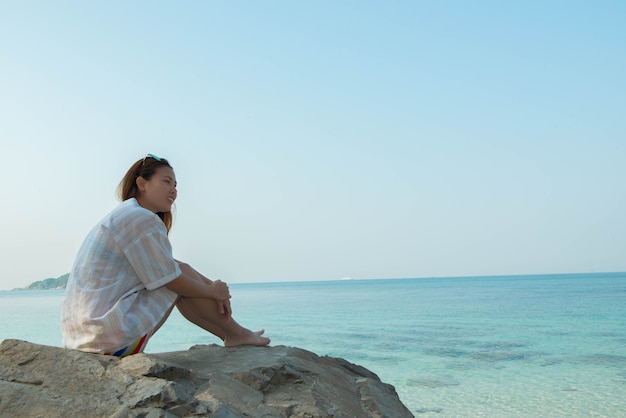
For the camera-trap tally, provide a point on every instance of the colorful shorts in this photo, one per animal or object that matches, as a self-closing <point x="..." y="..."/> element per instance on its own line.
<point x="136" y="347"/>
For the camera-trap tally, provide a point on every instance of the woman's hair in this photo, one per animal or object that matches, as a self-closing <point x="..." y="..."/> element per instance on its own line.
<point x="146" y="167"/>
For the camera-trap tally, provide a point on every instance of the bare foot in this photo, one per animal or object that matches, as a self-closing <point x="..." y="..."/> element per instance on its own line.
<point x="247" y="337"/>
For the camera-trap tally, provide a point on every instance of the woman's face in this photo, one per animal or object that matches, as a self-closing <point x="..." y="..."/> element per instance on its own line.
<point x="159" y="193"/>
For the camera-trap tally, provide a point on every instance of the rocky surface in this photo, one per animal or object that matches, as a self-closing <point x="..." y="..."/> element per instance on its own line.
<point x="206" y="381"/>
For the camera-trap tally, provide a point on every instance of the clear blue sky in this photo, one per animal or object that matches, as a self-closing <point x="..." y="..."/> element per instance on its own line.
<point x="323" y="139"/>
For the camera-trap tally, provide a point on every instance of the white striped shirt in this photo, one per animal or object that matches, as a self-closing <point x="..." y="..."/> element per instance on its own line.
<point x="116" y="293"/>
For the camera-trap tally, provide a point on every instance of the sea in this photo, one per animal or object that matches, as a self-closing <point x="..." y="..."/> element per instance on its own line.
<point x="497" y="346"/>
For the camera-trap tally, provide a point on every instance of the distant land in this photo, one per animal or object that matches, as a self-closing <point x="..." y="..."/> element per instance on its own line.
<point x="48" y="284"/>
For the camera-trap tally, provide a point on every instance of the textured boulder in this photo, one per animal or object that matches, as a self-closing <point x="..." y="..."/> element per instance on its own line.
<point x="210" y="381"/>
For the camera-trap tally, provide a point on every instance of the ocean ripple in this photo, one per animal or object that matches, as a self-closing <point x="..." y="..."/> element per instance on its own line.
<point x="609" y="360"/>
<point x="493" y="356"/>
<point x="433" y="382"/>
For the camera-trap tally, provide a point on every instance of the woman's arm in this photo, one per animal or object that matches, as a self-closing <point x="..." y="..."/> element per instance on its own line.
<point x="190" y="287"/>
<point x="193" y="284"/>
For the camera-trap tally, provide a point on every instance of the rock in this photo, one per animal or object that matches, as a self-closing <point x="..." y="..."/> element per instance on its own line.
<point x="205" y="381"/>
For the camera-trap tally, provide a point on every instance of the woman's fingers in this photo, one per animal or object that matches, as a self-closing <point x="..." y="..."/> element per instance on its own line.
<point x="225" y="308"/>
<point x="229" y="310"/>
<point x="221" y="289"/>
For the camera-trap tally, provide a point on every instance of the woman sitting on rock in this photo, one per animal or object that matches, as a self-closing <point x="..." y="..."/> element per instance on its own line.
<point x="125" y="281"/>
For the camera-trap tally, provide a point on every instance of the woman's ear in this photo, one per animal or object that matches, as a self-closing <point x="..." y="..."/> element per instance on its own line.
<point x="141" y="183"/>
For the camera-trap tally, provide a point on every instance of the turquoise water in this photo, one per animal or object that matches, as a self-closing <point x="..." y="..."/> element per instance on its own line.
<point x="517" y="346"/>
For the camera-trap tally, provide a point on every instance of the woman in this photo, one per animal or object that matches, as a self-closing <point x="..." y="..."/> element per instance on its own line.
<point x="125" y="281"/>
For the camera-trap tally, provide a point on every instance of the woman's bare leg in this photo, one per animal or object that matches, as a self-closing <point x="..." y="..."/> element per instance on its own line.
<point x="167" y="315"/>
<point x="205" y="313"/>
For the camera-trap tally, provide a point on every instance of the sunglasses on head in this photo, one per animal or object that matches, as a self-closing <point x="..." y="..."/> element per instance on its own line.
<point x="151" y="156"/>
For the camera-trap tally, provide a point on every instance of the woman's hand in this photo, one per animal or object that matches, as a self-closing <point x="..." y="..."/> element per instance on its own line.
<point x="222" y="295"/>
<point x="192" y="284"/>
<point x="225" y="309"/>
<point x="220" y="290"/>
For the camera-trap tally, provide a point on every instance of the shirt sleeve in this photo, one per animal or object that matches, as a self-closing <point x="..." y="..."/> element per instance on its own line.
<point x="151" y="257"/>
